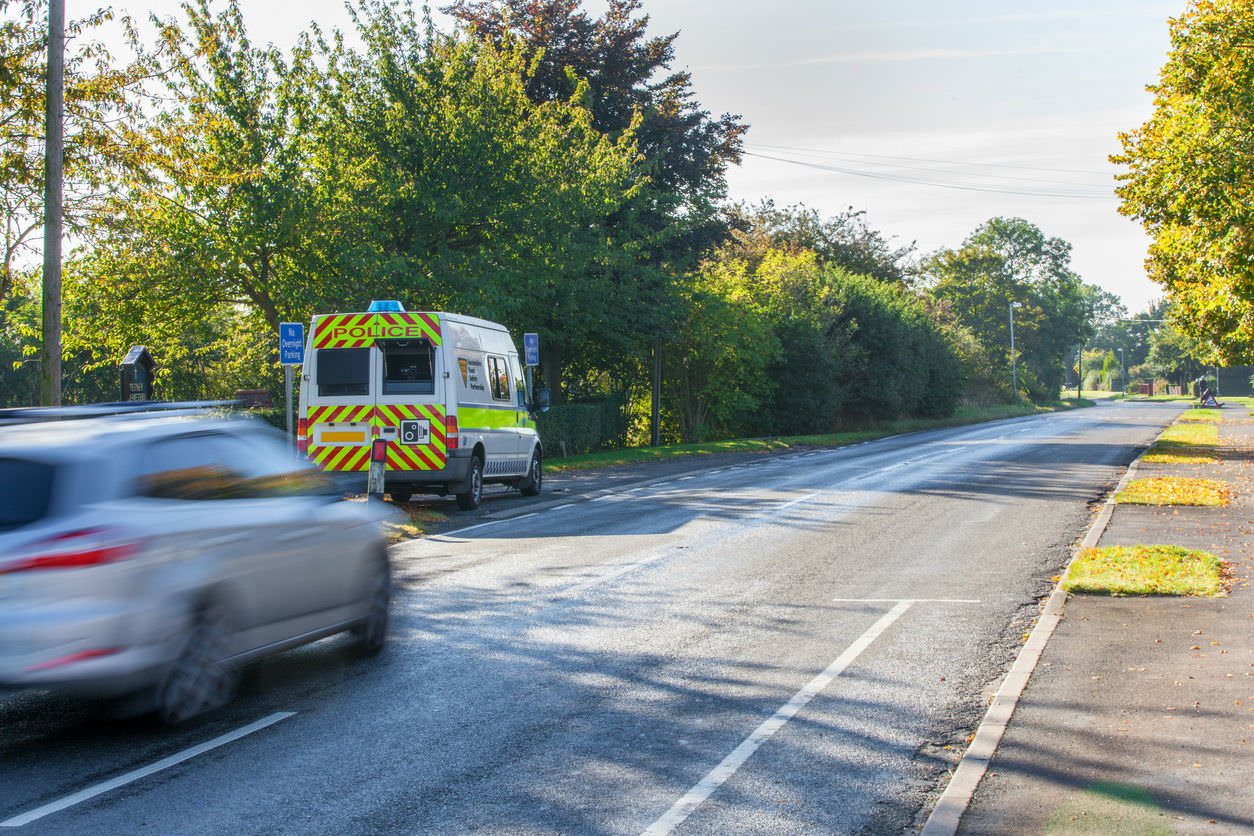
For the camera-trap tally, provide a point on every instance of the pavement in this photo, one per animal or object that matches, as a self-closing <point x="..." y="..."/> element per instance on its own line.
<point x="1138" y="717"/>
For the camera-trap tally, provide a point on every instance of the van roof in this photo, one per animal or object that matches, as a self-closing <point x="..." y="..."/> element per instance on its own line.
<point x="443" y="315"/>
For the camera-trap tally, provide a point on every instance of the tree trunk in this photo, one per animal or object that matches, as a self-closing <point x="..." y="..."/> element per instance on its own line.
<point x="551" y="363"/>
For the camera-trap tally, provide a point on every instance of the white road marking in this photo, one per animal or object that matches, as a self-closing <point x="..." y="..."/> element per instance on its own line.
<point x="608" y="576"/>
<point x="909" y="600"/>
<point x="696" y="796"/>
<point x="793" y="502"/>
<point x="143" y="772"/>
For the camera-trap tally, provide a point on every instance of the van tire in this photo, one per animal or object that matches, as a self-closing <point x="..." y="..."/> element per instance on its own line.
<point x="470" y="500"/>
<point x="399" y="495"/>
<point x="529" y="485"/>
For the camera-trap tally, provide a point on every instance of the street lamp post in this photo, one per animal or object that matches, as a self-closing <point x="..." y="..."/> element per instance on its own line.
<point x="1014" y="374"/>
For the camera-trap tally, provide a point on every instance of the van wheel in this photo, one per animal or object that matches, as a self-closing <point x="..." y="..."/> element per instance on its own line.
<point x="399" y="495"/>
<point x="470" y="500"/>
<point x="529" y="485"/>
<point x="200" y="679"/>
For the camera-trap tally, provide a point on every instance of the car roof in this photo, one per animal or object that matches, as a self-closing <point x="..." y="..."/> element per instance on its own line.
<point x="70" y="438"/>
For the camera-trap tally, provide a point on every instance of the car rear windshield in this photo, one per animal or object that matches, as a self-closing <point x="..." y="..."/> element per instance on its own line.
<point x="25" y="492"/>
<point x="343" y="372"/>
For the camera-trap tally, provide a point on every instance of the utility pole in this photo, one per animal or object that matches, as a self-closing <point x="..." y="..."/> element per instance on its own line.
<point x="1014" y="374"/>
<point x="50" y="355"/>
<point x="655" y="423"/>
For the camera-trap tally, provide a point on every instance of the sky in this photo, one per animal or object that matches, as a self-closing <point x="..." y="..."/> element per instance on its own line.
<point x="931" y="117"/>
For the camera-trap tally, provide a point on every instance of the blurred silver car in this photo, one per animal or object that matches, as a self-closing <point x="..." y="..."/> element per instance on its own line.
<point x="149" y="557"/>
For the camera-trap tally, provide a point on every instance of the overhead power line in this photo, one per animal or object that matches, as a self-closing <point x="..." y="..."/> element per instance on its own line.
<point x="893" y="174"/>
<point x="927" y="160"/>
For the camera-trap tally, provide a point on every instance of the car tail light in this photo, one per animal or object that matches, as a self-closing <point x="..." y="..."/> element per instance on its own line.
<point x="75" y="550"/>
<point x="450" y="433"/>
<point x="81" y="656"/>
<point x="302" y="435"/>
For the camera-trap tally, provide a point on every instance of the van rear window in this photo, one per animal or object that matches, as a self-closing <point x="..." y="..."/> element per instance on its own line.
<point x="407" y="367"/>
<point x="25" y="492"/>
<point x="343" y="372"/>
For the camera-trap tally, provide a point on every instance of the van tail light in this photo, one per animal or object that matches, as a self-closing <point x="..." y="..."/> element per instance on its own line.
<point x="75" y="550"/>
<point x="302" y="435"/>
<point x="450" y="433"/>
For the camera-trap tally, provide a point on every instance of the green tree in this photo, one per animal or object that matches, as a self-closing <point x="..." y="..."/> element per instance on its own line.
<point x="844" y="240"/>
<point x="1007" y="261"/>
<point x="464" y="192"/>
<point x="717" y="367"/>
<point x="624" y="77"/>
<point x="1176" y="356"/>
<point x="98" y="98"/>
<point x="99" y="101"/>
<point x="222" y="211"/>
<point x="1190" y="181"/>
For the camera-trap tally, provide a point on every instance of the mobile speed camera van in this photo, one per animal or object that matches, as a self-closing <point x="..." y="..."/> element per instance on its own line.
<point x="447" y="393"/>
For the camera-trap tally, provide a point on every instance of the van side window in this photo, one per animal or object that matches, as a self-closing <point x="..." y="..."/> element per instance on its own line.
<point x="343" y="371"/>
<point x="498" y="374"/>
<point x="408" y="367"/>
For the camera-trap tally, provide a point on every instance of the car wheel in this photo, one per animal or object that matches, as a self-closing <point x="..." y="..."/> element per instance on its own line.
<point x="470" y="500"/>
<point x="201" y="679"/>
<point x="372" y="631"/>
<point x="530" y="484"/>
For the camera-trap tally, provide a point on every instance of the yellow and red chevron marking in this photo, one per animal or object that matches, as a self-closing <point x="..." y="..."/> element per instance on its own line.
<point x="429" y="456"/>
<point x="344" y="331"/>
<point x="323" y="414"/>
<point x="360" y="330"/>
<point x="343" y="459"/>
<point x="335" y="457"/>
<point x="408" y="326"/>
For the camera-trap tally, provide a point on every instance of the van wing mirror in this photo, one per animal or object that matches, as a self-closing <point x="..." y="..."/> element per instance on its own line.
<point x="541" y="402"/>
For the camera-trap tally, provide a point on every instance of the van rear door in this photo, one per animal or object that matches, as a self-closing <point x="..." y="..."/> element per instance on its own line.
<point x="409" y="405"/>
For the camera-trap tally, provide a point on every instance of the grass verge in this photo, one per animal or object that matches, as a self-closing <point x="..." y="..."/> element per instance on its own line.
<point x="1175" y="490"/>
<point x="1146" y="570"/>
<point x="1193" y="434"/>
<point x="1201" y="414"/>
<point x="968" y="415"/>
<point x="419" y="521"/>
<point x="1183" y="455"/>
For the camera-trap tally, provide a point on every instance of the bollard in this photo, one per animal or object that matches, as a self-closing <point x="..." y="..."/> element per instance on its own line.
<point x="378" y="467"/>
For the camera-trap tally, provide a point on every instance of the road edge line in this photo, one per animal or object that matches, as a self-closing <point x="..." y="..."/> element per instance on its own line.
<point x="954" y="801"/>
<point x="74" y="799"/>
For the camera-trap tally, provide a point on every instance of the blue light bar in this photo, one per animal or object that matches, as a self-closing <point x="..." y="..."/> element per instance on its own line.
<point x="385" y="306"/>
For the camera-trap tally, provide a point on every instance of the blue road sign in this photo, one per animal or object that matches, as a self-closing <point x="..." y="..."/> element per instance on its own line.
<point x="291" y="343"/>
<point x="531" y="348"/>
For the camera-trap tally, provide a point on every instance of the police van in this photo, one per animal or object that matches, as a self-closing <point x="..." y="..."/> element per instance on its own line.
<point x="447" y="392"/>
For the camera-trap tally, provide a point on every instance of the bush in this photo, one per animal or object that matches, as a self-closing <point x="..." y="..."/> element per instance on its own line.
<point x="585" y="426"/>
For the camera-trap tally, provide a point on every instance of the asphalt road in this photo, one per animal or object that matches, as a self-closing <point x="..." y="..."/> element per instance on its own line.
<point x="798" y="644"/>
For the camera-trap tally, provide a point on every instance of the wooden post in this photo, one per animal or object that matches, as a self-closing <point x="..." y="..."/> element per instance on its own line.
<point x="50" y="356"/>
